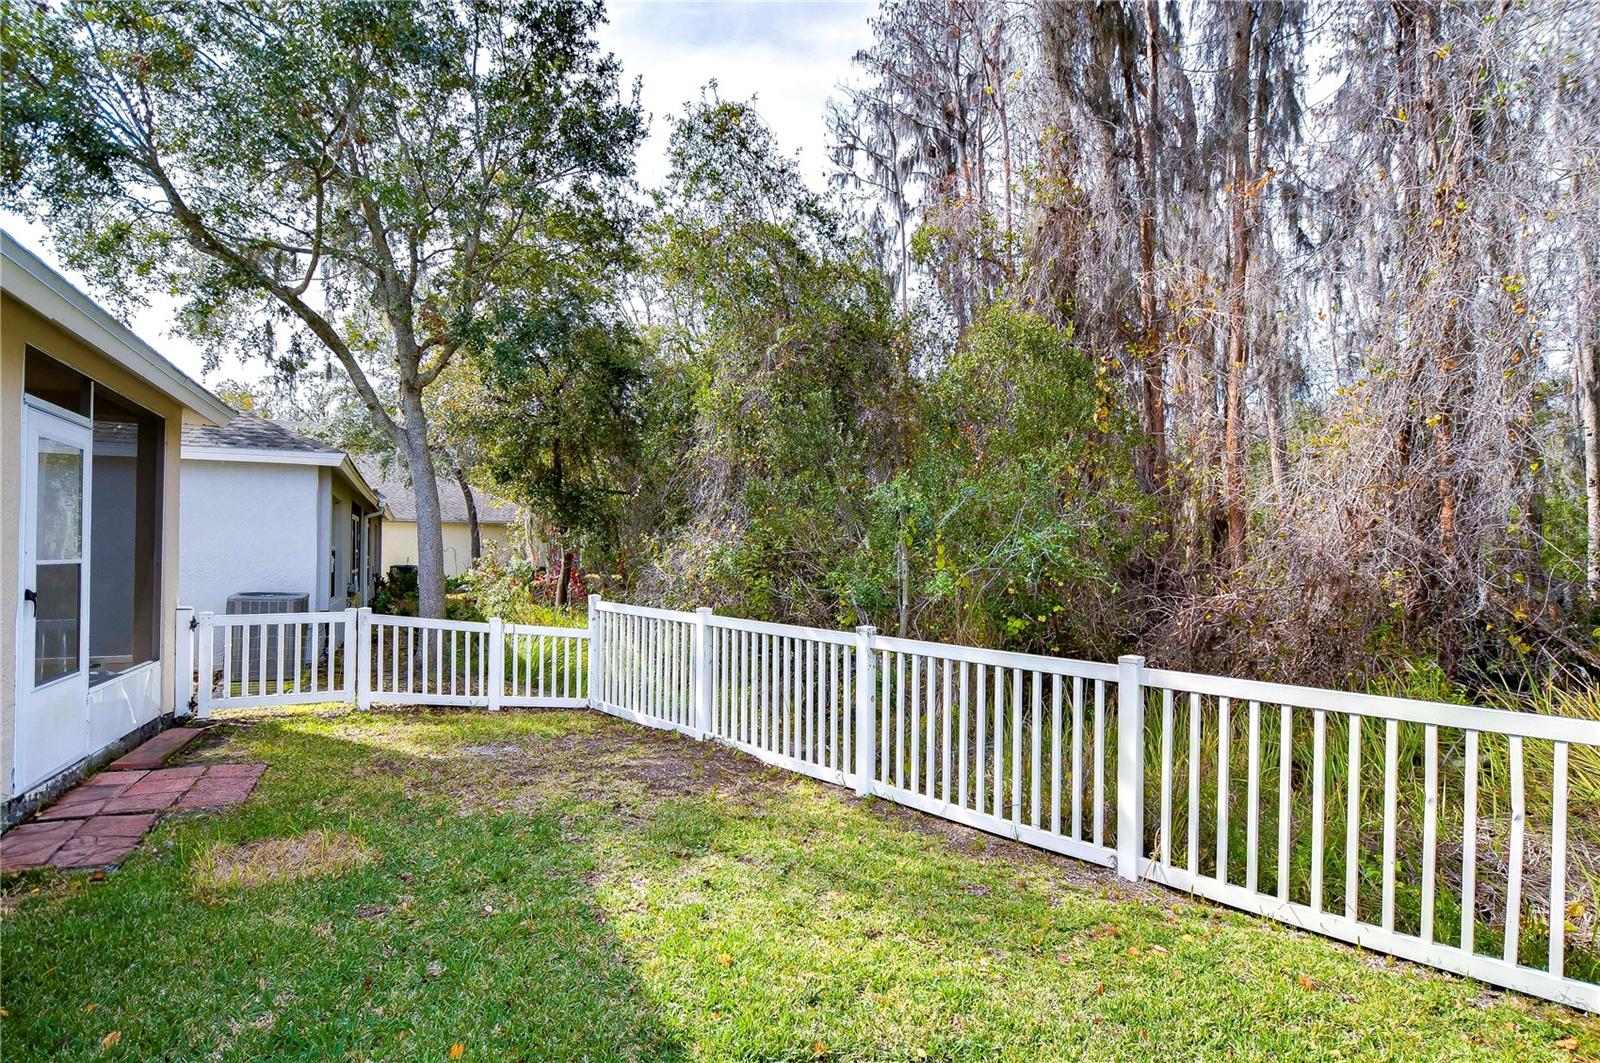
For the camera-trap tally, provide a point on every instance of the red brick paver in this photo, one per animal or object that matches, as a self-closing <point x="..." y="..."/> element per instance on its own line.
<point x="90" y="797"/>
<point x="102" y="840"/>
<point x="166" y="781"/>
<point x="154" y="753"/>
<point x="102" y="820"/>
<point x="33" y="844"/>
<point x="141" y="802"/>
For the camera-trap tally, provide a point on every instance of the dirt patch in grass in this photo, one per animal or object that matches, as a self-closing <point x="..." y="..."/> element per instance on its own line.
<point x="613" y="764"/>
<point x="274" y="860"/>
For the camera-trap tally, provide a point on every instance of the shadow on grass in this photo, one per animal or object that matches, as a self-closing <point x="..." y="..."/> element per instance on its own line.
<point x="468" y="929"/>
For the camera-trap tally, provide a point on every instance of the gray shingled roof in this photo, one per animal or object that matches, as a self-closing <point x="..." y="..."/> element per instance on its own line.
<point x="247" y="431"/>
<point x="393" y="484"/>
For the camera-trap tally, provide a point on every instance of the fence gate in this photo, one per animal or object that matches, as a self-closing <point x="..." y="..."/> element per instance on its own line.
<point x="268" y="659"/>
<point x="356" y="657"/>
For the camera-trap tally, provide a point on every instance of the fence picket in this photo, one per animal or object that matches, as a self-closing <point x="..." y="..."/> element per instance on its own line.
<point x="1519" y="813"/>
<point x="1319" y="771"/>
<point x="1224" y="747"/>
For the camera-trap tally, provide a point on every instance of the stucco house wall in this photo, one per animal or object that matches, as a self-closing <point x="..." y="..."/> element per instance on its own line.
<point x="248" y="527"/>
<point x="400" y="544"/>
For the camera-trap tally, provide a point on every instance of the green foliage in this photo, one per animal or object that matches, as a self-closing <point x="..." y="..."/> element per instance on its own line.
<point x="794" y="367"/>
<point x="556" y="414"/>
<point x="1017" y="511"/>
<point x="371" y="181"/>
<point x="820" y="466"/>
<point x="520" y="592"/>
<point x="217" y="152"/>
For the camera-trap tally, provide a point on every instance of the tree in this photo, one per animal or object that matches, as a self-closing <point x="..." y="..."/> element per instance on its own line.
<point x="785" y="328"/>
<point x="556" y="417"/>
<point x="368" y="177"/>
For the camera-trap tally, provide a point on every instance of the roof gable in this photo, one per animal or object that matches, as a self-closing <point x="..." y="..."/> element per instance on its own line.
<point x="33" y="282"/>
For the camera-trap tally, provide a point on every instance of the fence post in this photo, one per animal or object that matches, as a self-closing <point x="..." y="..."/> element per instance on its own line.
<point x="497" y="662"/>
<point x="866" y="706"/>
<point x="1130" y="765"/>
<point x="360" y="636"/>
<point x="183" y="662"/>
<point x="702" y="671"/>
<point x="207" y="664"/>
<point x="595" y="656"/>
<point x="352" y="620"/>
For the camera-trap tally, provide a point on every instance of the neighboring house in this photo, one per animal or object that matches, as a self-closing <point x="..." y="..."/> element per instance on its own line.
<point x="90" y="420"/>
<point x="400" y="518"/>
<point x="267" y="510"/>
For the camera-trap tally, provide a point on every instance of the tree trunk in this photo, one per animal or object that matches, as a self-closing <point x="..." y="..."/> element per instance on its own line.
<point x="473" y="531"/>
<point x="1233" y="456"/>
<point x="425" y="485"/>
<point x="563" y="578"/>
<point x="1586" y="374"/>
<point x="1277" y="447"/>
<point x="1151" y="358"/>
<point x="903" y="574"/>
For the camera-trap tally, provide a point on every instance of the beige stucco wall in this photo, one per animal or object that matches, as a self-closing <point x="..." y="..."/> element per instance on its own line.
<point x="19" y="327"/>
<point x="400" y="544"/>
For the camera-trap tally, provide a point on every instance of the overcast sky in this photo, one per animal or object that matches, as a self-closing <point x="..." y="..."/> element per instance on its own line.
<point x="789" y="55"/>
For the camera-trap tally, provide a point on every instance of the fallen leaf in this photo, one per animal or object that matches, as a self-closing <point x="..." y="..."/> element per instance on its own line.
<point x="1158" y="950"/>
<point x="458" y="1050"/>
<point x="1569" y="1042"/>
<point x="90" y="1006"/>
<point x="1305" y="982"/>
<point x="435" y="969"/>
<point x="110" y="1039"/>
<point x="1099" y="988"/>
<point x="725" y="959"/>
<point x="819" y="1049"/>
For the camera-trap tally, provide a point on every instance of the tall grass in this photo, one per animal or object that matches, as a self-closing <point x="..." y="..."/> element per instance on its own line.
<point x="1493" y="820"/>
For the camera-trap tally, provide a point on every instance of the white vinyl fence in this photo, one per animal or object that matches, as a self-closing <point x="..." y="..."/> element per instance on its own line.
<point x="1300" y="804"/>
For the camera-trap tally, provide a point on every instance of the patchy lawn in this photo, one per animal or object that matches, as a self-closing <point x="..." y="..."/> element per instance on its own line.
<point x="565" y="885"/>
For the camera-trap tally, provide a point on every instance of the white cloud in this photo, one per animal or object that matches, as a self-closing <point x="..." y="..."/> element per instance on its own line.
<point x="789" y="55"/>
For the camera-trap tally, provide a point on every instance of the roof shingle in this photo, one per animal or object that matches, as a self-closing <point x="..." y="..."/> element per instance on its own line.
<point x="249" y="432"/>
<point x="393" y="484"/>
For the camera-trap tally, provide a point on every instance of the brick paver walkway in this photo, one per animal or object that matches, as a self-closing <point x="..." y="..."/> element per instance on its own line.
<point x="101" y="821"/>
<point x="154" y="752"/>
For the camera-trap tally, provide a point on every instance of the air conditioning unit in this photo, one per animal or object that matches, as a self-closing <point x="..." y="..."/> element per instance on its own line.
<point x="256" y="603"/>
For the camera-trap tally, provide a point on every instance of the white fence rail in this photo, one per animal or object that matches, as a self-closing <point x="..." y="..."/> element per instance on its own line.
<point x="355" y="656"/>
<point x="270" y="658"/>
<point x="1350" y="815"/>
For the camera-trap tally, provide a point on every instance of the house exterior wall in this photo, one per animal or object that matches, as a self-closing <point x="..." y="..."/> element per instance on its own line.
<point x="247" y="527"/>
<point x="399" y="544"/>
<point x="131" y="699"/>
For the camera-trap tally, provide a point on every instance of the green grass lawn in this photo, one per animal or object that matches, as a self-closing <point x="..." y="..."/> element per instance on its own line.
<point x="562" y="885"/>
